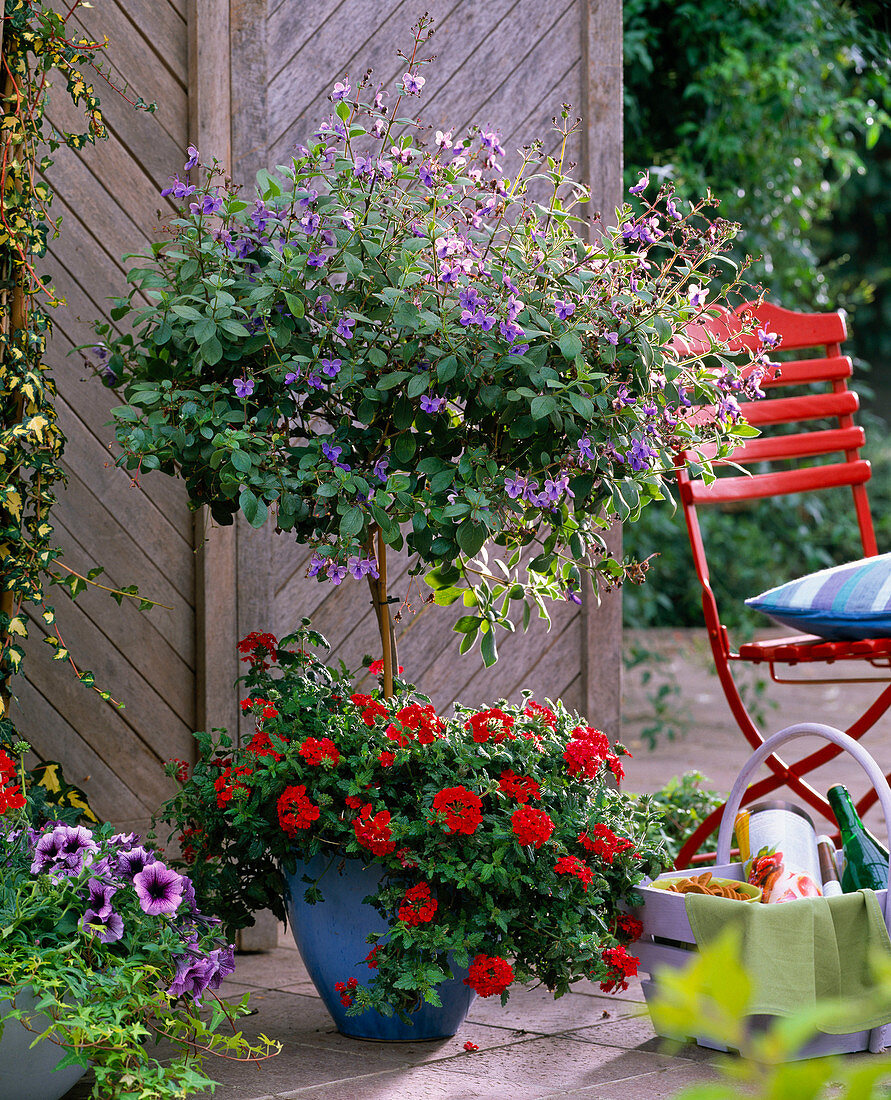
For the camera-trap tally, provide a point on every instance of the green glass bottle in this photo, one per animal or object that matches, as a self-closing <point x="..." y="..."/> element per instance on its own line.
<point x="866" y="860"/>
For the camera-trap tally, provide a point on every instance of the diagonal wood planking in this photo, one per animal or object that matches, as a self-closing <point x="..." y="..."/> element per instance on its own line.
<point x="109" y="199"/>
<point x="505" y="63"/>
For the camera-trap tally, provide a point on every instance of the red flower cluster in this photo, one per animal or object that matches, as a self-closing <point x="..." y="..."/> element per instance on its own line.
<point x="605" y="843"/>
<point x="376" y="668"/>
<point x="181" y="769"/>
<point x="488" y="975"/>
<point x="623" y="966"/>
<point x="371" y="708"/>
<point x="268" y="711"/>
<point x="186" y="845"/>
<point x="416" y="719"/>
<point x="258" y="647"/>
<point x="260" y="745"/>
<point x="354" y="801"/>
<point x="492" y="723"/>
<point x="470" y="1046"/>
<point x="519" y="787"/>
<point x="386" y="759"/>
<point x="11" y="796"/>
<point x="370" y="959"/>
<point x="462" y="808"/>
<point x="319" y="750"/>
<point x="295" y="811"/>
<point x="629" y="926"/>
<point x="531" y="826"/>
<point x="344" y="989"/>
<point x="228" y="782"/>
<point x="417" y="905"/>
<point x="542" y="714"/>
<point x="572" y="865"/>
<point x="586" y="751"/>
<point x="373" y="831"/>
<point x="615" y="766"/>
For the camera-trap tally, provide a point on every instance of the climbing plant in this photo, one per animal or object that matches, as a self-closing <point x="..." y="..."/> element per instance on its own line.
<point x="35" y="43"/>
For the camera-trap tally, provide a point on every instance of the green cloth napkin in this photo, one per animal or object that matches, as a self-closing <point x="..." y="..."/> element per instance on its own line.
<point x="799" y="952"/>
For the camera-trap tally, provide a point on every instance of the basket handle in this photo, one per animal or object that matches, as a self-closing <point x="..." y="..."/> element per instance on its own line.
<point x="792" y="733"/>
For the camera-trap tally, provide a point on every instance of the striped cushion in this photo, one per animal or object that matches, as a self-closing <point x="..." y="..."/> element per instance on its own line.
<point x="846" y="602"/>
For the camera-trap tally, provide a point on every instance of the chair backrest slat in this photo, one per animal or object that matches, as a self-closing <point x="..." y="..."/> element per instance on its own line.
<point x="757" y="486"/>
<point x="789" y="410"/>
<point x="802" y="445"/>
<point x="803" y="371"/>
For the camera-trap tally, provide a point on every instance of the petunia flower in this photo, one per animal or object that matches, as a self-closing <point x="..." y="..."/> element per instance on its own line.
<point x="159" y="889"/>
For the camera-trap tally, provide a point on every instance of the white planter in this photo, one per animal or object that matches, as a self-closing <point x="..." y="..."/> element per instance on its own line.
<point x="29" y="1073"/>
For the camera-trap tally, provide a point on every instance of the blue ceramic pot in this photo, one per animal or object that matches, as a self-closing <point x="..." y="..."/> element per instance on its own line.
<point x="29" y="1073"/>
<point x="330" y="936"/>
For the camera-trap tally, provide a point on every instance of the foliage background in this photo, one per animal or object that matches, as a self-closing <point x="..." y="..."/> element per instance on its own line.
<point x="780" y="108"/>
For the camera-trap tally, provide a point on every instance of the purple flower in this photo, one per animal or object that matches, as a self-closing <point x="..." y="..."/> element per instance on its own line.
<point x="516" y="486"/>
<point x="563" y="309"/>
<point x="362" y="567"/>
<point x="340" y="90"/>
<point x="316" y="259"/>
<point x="641" y="186"/>
<point x="640" y="456"/>
<point x="109" y="926"/>
<point x="322" y="303"/>
<point x="210" y="204"/>
<point x="380" y="468"/>
<point x="432" y="404"/>
<point x="244" y="387"/>
<point x="623" y="397"/>
<point x="519" y="349"/>
<point x="385" y="167"/>
<point x="611" y="338"/>
<point x="349" y="220"/>
<point x="331" y="367"/>
<point x="291" y="377"/>
<point x="159" y="889"/>
<point x="309" y="223"/>
<point x="425" y="174"/>
<point x="179" y="190"/>
<point x="345" y="328"/>
<point x="412" y="83"/>
<point x="335" y="572"/>
<point x="767" y="339"/>
<point x="673" y="211"/>
<point x="193" y="159"/>
<point x="63" y="852"/>
<point x="193" y="974"/>
<point x="331" y="453"/>
<point x="363" y="166"/>
<point x="134" y="861"/>
<point x="571" y="595"/>
<point x="315" y="382"/>
<point x="696" y="296"/>
<point x="99" y="896"/>
<point x="316" y="565"/>
<point x="584" y="446"/>
<point x="555" y="488"/>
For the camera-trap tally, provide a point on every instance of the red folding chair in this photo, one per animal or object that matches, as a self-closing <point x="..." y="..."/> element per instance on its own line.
<point x="811" y="457"/>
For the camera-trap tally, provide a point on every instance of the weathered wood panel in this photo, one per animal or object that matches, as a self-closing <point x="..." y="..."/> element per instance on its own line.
<point x="509" y="64"/>
<point x="109" y="198"/>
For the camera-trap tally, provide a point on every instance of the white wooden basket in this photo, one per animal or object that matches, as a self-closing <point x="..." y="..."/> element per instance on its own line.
<point x="667" y="938"/>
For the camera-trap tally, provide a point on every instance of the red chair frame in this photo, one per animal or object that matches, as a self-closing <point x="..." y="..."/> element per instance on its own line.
<point x="823" y="331"/>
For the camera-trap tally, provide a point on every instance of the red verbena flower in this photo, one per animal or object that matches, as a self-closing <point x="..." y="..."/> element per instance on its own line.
<point x="531" y="826"/>
<point x="386" y="759"/>
<point x="488" y="975"/>
<point x="629" y="926"/>
<point x="422" y="720"/>
<point x="371" y="958"/>
<point x="586" y="751"/>
<point x="462" y="809"/>
<point x="228" y="782"/>
<point x="615" y="766"/>
<point x="542" y="714"/>
<point x="492" y="723"/>
<point x="258" y="647"/>
<point x="319" y="750"/>
<point x="519" y="787"/>
<point x="572" y="865"/>
<point x="11" y="798"/>
<point x="354" y="801"/>
<point x="417" y="906"/>
<point x="470" y="1046"/>
<point x="373" y="831"/>
<point x="7" y="766"/>
<point x="376" y="668"/>
<point x="623" y="966"/>
<point x="371" y="708"/>
<point x="268" y="709"/>
<point x="295" y="811"/>
<point x="605" y="843"/>
<point x="187" y="847"/>
<point x="261" y="745"/>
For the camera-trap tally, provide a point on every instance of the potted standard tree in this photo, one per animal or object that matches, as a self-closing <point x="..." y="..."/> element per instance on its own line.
<point x="388" y="345"/>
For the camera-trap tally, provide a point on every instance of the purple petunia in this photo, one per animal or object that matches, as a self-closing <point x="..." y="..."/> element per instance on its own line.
<point x="131" y="862"/>
<point x="109" y="927"/>
<point x="159" y="889"/>
<point x="64" y="851"/>
<point x="99" y="895"/>
<point x="244" y="387"/>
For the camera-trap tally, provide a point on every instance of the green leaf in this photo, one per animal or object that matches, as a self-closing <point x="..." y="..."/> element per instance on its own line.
<point x="570" y="346"/>
<point x="472" y="537"/>
<point x="188" y="313"/>
<point x="542" y="406"/>
<point x="488" y="649"/>
<point x="212" y="352"/>
<point x="255" y="510"/>
<point x="295" y="305"/>
<point x="241" y="460"/>
<point x="584" y="406"/>
<point x="343" y="110"/>
<point x="352" y="522"/>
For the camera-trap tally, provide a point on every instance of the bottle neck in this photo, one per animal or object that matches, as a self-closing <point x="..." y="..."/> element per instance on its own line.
<point x="845" y="813"/>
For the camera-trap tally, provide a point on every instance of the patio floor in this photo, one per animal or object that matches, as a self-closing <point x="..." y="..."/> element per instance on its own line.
<point x="585" y="1044"/>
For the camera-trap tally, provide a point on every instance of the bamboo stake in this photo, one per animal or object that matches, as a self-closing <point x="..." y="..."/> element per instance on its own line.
<point x="378" y="587"/>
